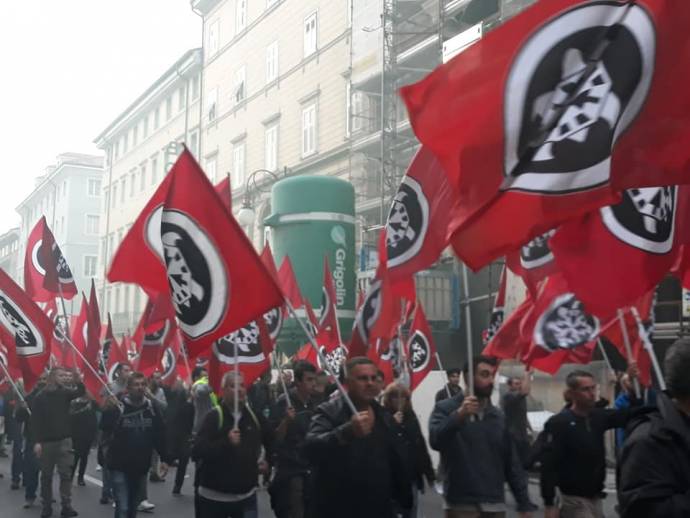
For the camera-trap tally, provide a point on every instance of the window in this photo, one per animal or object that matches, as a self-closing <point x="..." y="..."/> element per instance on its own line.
<point x="211" y="164"/>
<point x="111" y="245"/>
<point x="114" y="198"/>
<point x="182" y="98"/>
<point x="240" y="15"/>
<point x="240" y="86"/>
<point x="135" y="135"/>
<point x="270" y="3"/>
<point x="213" y="37"/>
<point x="123" y="184"/>
<point x="310" y="34"/>
<point x="92" y="224"/>
<point x="157" y="118"/>
<point x="93" y="186"/>
<point x="271" y="147"/>
<point x="137" y="299"/>
<point x="238" y="164"/>
<point x="145" y="126"/>
<point x="142" y="177"/>
<point x="154" y="171"/>
<point x="309" y="130"/>
<point x="125" y="142"/>
<point x="272" y="62"/>
<point x="117" y="149"/>
<point x="132" y="182"/>
<point x="212" y="104"/>
<point x="195" y="87"/>
<point x="168" y="108"/>
<point x="194" y="143"/>
<point x="117" y="300"/>
<point x="90" y="262"/>
<point x="106" y="199"/>
<point x="125" y="301"/>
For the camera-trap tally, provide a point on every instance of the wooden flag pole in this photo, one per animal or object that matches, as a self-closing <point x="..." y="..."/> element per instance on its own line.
<point x="236" y="404"/>
<point x="64" y="315"/>
<point x="650" y="349"/>
<point x="628" y="350"/>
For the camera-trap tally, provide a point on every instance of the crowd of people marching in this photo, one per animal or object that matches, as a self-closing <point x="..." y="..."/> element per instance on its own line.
<point x="300" y="440"/>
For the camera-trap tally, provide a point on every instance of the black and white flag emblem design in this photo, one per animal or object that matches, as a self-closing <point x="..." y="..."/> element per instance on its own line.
<point x="407" y="224"/>
<point x="565" y="107"/>
<point x="28" y="340"/>
<point x="419" y="351"/>
<point x="248" y="342"/>
<point x="565" y="325"/>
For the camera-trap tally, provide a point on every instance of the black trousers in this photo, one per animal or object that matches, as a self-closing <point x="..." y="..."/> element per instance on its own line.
<point x="81" y="458"/>
<point x="182" y="463"/>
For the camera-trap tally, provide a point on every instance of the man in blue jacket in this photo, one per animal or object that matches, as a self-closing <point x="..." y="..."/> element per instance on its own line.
<point x="478" y="454"/>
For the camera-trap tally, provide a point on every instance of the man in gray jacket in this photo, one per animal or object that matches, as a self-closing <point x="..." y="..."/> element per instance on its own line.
<point x="478" y="454"/>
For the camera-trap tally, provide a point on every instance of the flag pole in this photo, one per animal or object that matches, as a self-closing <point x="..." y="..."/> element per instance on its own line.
<point x="649" y="347"/>
<point x="440" y="366"/>
<point x="236" y="404"/>
<point x="468" y="332"/>
<point x="14" y="386"/>
<point x="183" y="349"/>
<point x="628" y="350"/>
<point x="322" y="359"/>
<point x="64" y="314"/>
<point x="604" y="355"/>
<point x="86" y="362"/>
<point x="280" y="375"/>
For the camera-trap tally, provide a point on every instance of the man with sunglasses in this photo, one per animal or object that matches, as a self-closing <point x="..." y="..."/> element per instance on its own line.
<point x="358" y="458"/>
<point x="574" y="456"/>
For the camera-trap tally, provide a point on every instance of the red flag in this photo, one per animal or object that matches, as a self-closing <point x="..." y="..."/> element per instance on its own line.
<point x="217" y="282"/>
<point x="169" y="361"/>
<point x="139" y="258"/>
<point x="420" y="349"/>
<point x="44" y="260"/>
<point x="113" y="356"/>
<point x="615" y="255"/>
<point x="328" y="319"/>
<point x="253" y="347"/>
<point x="510" y="342"/>
<point x="533" y="262"/>
<point x="27" y="329"/>
<point x="498" y="312"/>
<point x="274" y="317"/>
<point x="224" y="191"/>
<point x="152" y="337"/>
<point x="552" y="113"/>
<point x="288" y="283"/>
<point x="80" y="334"/>
<point x="8" y="355"/>
<point x="332" y="352"/>
<point x="416" y="230"/>
<point x="384" y="354"/>
<point x="93" y="352"/>
<point x="561" y="330"/>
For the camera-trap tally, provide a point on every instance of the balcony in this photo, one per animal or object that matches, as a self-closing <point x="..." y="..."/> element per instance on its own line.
<point x="203" y="6"/>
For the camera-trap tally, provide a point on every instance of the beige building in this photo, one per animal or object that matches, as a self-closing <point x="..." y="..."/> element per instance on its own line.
<point x="141" y="145"/>
<point x="9" y="254"/>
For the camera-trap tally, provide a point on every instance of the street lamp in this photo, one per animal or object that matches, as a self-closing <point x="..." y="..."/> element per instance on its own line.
<point x="246" y="214"/>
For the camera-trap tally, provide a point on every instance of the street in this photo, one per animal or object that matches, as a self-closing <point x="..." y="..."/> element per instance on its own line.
<point x="86" y="499"/>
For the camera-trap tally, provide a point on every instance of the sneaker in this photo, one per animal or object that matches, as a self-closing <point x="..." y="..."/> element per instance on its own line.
<point x="99" y="468"/>
<point x="104" y="500"/>
<point x="47" y="512"/>
<point x="29" y="503"/>
<point x="68" y="512"/>
<point x="80" y="482"/>
<point x="146" y="507"/>
<point x="176" y="491"/>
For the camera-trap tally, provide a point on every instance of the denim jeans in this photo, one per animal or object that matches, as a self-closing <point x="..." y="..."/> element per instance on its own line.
<point x="31" y="471"/>
<point x="126" y="491"/>
<point x="15" y="433"/>
<point x="107" y="488"/>
<point x="246" y="508"/>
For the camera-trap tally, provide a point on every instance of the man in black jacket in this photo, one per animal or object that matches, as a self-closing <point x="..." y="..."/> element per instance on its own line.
<point x="574" y="455"/>
<point x="228" y="453"/>
<point x="52" y="435"/>
<point x="132" y="429"/>
<point x="452" y="388"/>
<point x="654" y="480"/>
<point x="290" y="487"/>
<point x="478" y="454"/>
<point x="358" y="459"/>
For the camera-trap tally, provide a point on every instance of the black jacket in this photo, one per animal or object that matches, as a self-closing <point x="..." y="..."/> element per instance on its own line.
<point x="443" y="393"/>
<point x="574" y="455"/>
<point x="179" y="418"/>
<point x="654" y="477"/>
<point x="83" y="422"/>
<point x="417" y="459"/>
<point x="226" y="468"/>
<point x="288" y="451"/>
<point x="478" y="456"/>
<point x="360" y="477"/>
<point x="130" y="436"/>
<point x="50" y="413"/>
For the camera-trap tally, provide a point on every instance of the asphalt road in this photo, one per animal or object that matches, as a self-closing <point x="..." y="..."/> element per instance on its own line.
<point x="169" y="506"/>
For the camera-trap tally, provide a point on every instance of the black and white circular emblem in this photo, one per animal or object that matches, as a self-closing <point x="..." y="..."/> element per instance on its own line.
<point x="198" y="282"/>
<point x="334" y="359"/>
<point x="537" y="253"/>
<point x="114" y="371"/>
<point x="28" y="340"/>
<point x="157" y="337"/>
<point x="644" y="219"/>
<point x="152" y="232"/>
<point x="495" y="323"/>
<point x="274" y="322"/>
<point x="565" y="324"/>
<point x="248" y="342"/>
<point x="325" y="306"/>
<point x="563" y="116"/>
<point x="4" y="361"/>
<point x="104" y="354"/>
<point x="63" y="271"/>
<point x="36" y="257"/>
<point x="419" y="351"/>
<point x="168" y="362"/>
<point x="370" y="310"/>
<point x="407" y="224"/>
<point x="60" y="328"/>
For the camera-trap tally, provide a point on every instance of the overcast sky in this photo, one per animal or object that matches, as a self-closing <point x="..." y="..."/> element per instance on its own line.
<point x="69" y="67"/>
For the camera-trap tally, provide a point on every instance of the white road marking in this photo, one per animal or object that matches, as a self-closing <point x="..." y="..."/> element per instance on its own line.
<point x="94" y="481"/>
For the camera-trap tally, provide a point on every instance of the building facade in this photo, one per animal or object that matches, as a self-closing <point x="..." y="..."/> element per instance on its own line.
<point x="9" y="253"/>
<point x="68" y="194"/>
<point x="141" y="145"/>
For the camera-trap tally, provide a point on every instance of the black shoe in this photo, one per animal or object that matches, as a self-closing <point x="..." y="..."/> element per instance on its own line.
<point x="29" y="503"/>
<point x="80" y="482"/>
<point x="176" y="491"/>
<point x="14" y="485"/>
<point x="155" y="478"/>
<point x="104" y="501"/>
<point x="68" y="512"/>
<point x="47" y="512"/>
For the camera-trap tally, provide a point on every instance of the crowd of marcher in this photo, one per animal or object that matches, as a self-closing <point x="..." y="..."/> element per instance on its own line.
<point x="318" y="459"/>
